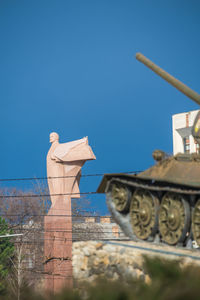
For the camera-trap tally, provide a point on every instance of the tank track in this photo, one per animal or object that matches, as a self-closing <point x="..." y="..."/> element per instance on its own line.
<point x="123" y="219"/>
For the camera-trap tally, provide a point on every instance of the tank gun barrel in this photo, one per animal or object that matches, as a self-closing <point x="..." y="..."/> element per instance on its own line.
<point x="169" y="78"/>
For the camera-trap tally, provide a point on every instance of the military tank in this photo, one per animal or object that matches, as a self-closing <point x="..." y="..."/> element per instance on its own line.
<point x="162" y="203"/>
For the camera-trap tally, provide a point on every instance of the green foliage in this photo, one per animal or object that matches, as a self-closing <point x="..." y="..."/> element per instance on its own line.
<point x="6" y="252"/>
<point x="171" y="281"/>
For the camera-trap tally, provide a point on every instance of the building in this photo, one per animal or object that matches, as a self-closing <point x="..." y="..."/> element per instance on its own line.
<point x="96" y="228"/>
<point x="183" y="141"/>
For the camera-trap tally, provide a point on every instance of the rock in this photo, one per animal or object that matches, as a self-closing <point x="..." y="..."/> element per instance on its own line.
<point x="106" y="260"/>
<point x="138" y="272"/>
<point x="93" y="278"/>
<point x="99" y="246"/>
<point x="122" y="250"/>
<point x="129" y="274"/>
<point x="115" y="276"/>
<point x="110" y="271"/>
<point x="110" y="248"/>
<point x="137" y="265"/>
<point x="86" y="251"/>
<point x="102" y="253"/>
<point x="114" y="259"/>
<point x="142" y="277"/>
<point x="84" y="265"/>
<point x="147" y="279"/>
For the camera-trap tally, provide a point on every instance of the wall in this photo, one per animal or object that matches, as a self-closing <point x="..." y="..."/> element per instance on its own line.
<point x="113" y="261"/>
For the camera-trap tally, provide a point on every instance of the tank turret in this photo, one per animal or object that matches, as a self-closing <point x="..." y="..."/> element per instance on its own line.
<point x="163" y="202"/>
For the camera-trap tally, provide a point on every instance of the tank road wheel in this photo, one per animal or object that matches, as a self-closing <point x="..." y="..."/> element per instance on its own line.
<point x="144" y="214"/>
<point x="174" y="218"/>
<point x="120" y="196"/>
<point x="196" y="222"/>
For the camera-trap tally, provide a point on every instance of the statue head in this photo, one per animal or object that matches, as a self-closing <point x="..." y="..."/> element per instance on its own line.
<point x="53" y="137"/>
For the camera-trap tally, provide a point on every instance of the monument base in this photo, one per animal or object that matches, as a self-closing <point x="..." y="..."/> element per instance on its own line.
<point x="58" y="251"/>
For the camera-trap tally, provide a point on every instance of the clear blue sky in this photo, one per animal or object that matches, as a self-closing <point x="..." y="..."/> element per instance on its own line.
<point x="69" y="67"/>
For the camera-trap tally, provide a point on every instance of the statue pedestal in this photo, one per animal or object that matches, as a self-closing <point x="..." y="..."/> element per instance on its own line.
<point x="58" y="247"/>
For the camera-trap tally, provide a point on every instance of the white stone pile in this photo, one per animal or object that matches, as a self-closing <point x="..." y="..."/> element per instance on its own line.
<point x="93" y="260"/>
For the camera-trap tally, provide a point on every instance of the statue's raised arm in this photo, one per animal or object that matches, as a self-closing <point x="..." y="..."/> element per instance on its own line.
<point x="74" y="151"/>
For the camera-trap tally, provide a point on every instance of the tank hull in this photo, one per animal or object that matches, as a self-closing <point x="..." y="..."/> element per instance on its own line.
<point x="159" y="203"/>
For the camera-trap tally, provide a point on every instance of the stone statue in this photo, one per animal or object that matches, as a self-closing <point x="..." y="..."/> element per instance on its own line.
<point x="64" y="162"/>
